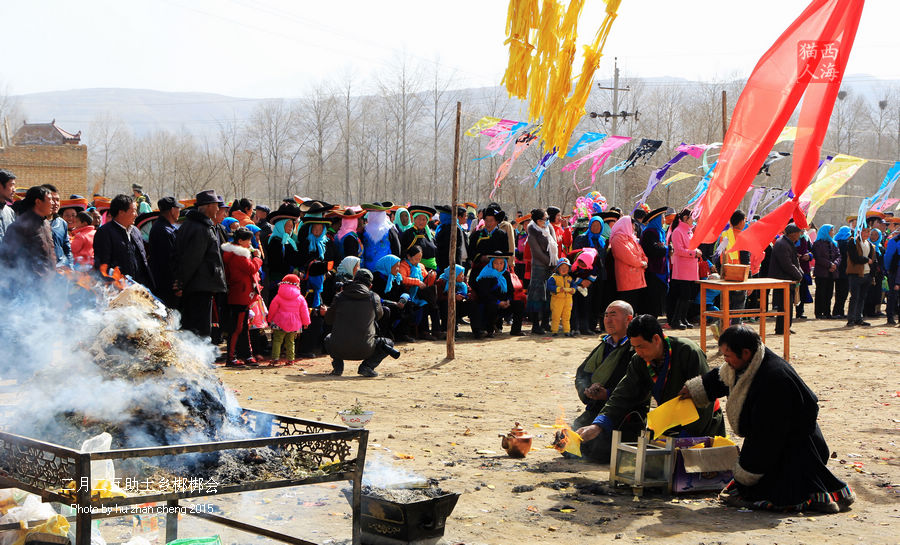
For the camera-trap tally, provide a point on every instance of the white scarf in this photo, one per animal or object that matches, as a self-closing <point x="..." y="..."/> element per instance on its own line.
<point x="378" y="225"/>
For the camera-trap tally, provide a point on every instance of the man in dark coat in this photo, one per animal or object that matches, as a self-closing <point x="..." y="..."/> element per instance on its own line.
<point x="487" y="240"/>
<point x="29" y="241"/>
<point x="262" y="221"/>
<point x="782" y="461"/>
<point x="785" y="265"/>
<point x="660" y="367"/>
<point x="199" y="270"/>
<point x="118" y="243"/>
<point x="353" y="315"/>
<point x="861" y="257"/>
<point x="600" y="372"/>
<point x="162" y="250"/>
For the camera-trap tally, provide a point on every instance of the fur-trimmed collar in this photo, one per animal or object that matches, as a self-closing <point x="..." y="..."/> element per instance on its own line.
<point x="235" y="249"/>
<point x="738" y="386"/>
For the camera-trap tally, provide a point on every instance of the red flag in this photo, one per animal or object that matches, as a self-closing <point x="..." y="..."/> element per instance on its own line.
<point x="814" y="49"/>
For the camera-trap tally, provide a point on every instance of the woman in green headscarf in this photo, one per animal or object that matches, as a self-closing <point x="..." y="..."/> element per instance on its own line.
<point x="402" y="220"/>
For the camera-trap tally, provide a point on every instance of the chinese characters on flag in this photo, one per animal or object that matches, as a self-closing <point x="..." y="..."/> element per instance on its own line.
<point x="817" y="60"/>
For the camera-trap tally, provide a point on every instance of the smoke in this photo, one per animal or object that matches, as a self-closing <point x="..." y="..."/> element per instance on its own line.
<point x="381" y="474"/>
<point x="89" y="357"/>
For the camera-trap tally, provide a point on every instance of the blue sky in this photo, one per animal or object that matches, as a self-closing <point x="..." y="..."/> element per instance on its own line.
<point x="265" y="48"/>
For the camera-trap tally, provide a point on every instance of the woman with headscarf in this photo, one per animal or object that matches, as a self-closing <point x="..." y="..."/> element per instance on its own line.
<point x="388" y="284"/>
<point x="347" y="269"/>
<point x="828" y="261"/>
<point x="379" y="238"/>
<point x="631" y="262"/>
<point x="542" y="243"/>
<point x="462" y="295"/>
<point x="419" y="284"/>
<point x="281" y="247"/>
<point x="346" y="240"/>
<point x="653" y="242"/>
<point x="402" y="220"/>
<point x="841" y="285"/>
<point x="494" y="295"/>
<point x="685" y="269"/>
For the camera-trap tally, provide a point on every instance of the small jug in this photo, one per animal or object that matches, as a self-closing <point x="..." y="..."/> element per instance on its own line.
<point x="516" y="443"/>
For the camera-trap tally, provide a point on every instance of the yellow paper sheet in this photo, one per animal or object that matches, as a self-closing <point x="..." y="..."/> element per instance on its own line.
<point x="719" y="441"/>
<point x="675" y="412"/>
<point x="574" y="444"/>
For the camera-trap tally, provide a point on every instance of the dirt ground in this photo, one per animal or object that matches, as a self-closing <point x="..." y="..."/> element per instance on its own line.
<point x="446" y="415"/>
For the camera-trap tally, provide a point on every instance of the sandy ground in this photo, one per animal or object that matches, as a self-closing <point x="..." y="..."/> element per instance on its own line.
<point x="447" y="416"/>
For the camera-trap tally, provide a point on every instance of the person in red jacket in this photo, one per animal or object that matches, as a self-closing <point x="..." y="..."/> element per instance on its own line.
<point x="83" y="241"/>
<point x="242" y="265"/>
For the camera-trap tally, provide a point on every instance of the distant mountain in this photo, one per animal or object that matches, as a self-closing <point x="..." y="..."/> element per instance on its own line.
<point x="145" y="110"/>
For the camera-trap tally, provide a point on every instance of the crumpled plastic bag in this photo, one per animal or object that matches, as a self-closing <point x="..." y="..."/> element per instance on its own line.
<point x="32" y="509"/>
<point x="101" y="470"/>
<point x="138" y="540"/>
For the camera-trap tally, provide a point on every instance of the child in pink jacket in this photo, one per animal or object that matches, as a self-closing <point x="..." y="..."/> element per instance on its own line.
<point x="288" y="315"/>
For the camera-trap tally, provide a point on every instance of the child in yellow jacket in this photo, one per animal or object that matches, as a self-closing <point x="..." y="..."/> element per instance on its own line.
<point x="560" y="287"/>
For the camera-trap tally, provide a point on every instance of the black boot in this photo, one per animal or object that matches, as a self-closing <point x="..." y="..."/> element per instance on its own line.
<point x="676" y="322"/>
<point x="536" y="328"/>
<point x="337" y="367"/>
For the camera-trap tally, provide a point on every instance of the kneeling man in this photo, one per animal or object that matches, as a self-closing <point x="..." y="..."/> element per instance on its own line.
<point x="782" y="460"/>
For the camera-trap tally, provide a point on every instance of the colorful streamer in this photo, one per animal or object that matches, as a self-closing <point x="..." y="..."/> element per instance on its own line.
<point x="644" y="150"/>
<point x="522" y="143"/>
<point x="773" y="157"/>
<point x="831" y="177"/>
<point x="887" y="185"/>
<point x="702" y="185"/>
<point x="657" y="175"/>
<point x="677" y="177"/>
<point x="501" y="138"/>
<point x="774" y="89"/>
<point x="541" y="168"/>
<point x="482" y="124"/>
<point x="787" y="133"/>
<point x="599" y="156"/>
<point x="586" y="139"/>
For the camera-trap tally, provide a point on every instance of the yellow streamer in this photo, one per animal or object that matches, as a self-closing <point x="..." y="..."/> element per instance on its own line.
<point x="677" y="177"/>
<point x="483" y="123"/>
<point x="828" y="181"/>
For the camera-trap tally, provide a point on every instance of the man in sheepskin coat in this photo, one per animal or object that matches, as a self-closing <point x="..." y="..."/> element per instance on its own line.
<point x="782" y="461"/>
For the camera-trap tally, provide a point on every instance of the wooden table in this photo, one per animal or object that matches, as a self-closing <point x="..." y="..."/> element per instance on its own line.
<point x="725" y="315"/>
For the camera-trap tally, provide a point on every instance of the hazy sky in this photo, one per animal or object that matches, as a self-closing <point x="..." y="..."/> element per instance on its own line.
<point x="266" y="48"/>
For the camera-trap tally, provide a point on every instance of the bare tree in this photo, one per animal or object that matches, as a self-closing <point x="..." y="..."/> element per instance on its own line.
<point x="441" y="105"/>
<point x="317" y="118"/>
<point x="273" y="132"/>
<point x="399" y="87"/>
<point x="108" y="134"/>
<point x="237" y="158"/>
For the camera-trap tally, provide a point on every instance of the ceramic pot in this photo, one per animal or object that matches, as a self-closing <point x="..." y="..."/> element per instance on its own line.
<point x="516" y="443"/>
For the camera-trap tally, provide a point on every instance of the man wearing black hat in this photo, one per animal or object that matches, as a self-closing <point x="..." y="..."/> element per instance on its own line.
<point x="487" y="240"/>
<point x="262" y="221"/>
<point x="162" y="250"/>
<point x="199" y="270"/>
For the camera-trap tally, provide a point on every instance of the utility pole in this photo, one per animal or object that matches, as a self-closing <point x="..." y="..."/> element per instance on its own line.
<point x="615" y="114"/>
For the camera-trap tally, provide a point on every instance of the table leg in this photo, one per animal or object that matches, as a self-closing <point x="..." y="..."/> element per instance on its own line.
<point x="763" y="303"/>
<point x="787" y="325"/>
<point x="703" y="317"/>
<point x="726" y="309"/>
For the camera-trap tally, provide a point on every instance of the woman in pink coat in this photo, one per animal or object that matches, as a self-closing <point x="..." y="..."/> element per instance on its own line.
<point x="630" y="263"/>
<point x="685" y="269"/>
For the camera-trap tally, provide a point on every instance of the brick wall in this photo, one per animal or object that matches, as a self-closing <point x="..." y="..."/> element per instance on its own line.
<point x="63" y="166"/>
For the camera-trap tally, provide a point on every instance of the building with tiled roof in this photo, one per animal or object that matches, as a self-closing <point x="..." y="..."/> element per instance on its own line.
<point x="43" y="153"/>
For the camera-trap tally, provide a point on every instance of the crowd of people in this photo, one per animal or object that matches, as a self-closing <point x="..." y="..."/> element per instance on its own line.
<point x="270" y="282"/>
<point x="310" y="277"/>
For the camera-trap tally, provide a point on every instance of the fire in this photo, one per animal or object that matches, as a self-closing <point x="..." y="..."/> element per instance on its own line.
<point x="119" y="280"/>
<point x="565" y="439"/>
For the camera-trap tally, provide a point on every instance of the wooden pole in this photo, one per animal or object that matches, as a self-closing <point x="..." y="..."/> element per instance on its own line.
<point x="454" y="233"/>
<point x="724" y="115"/>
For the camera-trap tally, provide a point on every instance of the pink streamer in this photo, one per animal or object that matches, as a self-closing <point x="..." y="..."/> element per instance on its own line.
<point x="599" y="156"/>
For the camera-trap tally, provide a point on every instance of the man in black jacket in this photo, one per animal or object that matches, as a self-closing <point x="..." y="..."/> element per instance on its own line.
<point x="29" y="240"/>
<point x="785" y="266"/>
<point x="860" y="261"/>
<point x="162" y="250"/>
<point x="199" y="270"/>
<point x="353" y="337"/>
<point x="118" y="243"/>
